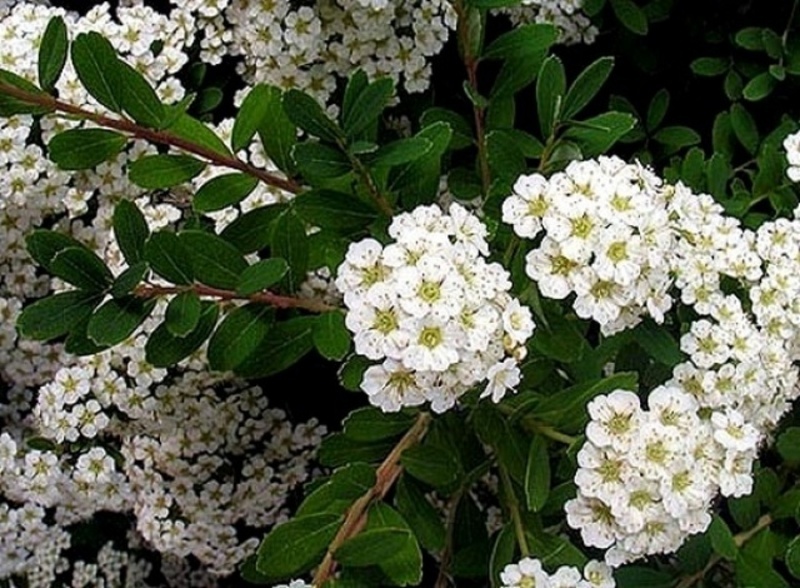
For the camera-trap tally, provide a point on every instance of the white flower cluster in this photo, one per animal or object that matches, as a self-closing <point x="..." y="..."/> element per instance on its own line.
<point x="573" y="26"/>
<point x="432" y="307"/>
<point x="199" y="465"/>
<point x="792" y="146"/>
<point x="647" y="478"/>
<point x="528" y="573"/>
<point x="607" y="239"/>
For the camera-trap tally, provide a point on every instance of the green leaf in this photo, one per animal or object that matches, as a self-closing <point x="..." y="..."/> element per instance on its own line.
<point x="710" y="66"/>
<point x="677" y="137"/>
<point x="638" y="577"/>
<point x="517" y="73"/>
<point x="337" y="450"/>
<point x="306" y="113"/>
<point x="372" y="424"/>
<point x="372" y="547"/>
<point x="277" y="133"/>
<point x="367" y="106"/>
<point x="338" y="493"/>
<point x="76" y="149"/>
<point x="792" y="557"/>
<point x="597" y="134"/>
<point x="175" y="111"/>
<point x="261" y="275"/>
<point x="163" y="349"/>
<point x="82" y="268"/>
<point x="744" y="127"/>
<point x="658" y="343"/>
<point x="125" y="283"/>
<point x="183" y="313"/>
<point x="253" y="230"/>
<point x="733" y="85"/>
<point x="722" y="539"/>
<point x="43" y="246"/>
<point x="97" y="66"/>
<point x="130" y="230"/>
<point x="297" y="545"/>
<point x="506" y="160"/>
<point x="117" y="319"/>
<point x="287" y="343"/>
<point x="788" y="445"/>
<point x="189" y="128"/>
<point x="522" y="41"/>
<point x="215" y="262"/>
<point x="10" y="106"/>
<point x="78" y="343"/>
<point x="289" y="241"/>
<point x="462" y="131"/>
<point x="352" y="372"/>
<point x="52" y="53"/>
<point x="586" y="86"/>
<point x="750" y="38"/>
<point x="630" y="15"/>
<point x="337" y="211"/>
<point x="759" y="87"/>
<point x="503" y="553"/>
<point x="550" y="88"/>
<point x="418" y="182"/>
<point x="317" y="161"/>
<point x="404" y="566"/>
<point x="56" y="315"/>
<point x="156" y="172"/>
<point x="169" y="258"/>
<point x="431" y="464"/>
<point x="423" y="519"/>
<point x="223" y="191"/>
<point x="400" y="151"/>
<point x="657" y="109"/>
<point x="566" y="409"/>
<point x="252" y="114"/>
<point x="238" y="336"/>
<point x="537" y="474"/>
<point x="752" y="571"/>
<point x="331" y="337"/>
<point x="139" y="99"/>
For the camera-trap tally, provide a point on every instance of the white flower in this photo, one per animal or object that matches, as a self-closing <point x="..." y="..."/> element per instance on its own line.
<point x="502" y="377"/>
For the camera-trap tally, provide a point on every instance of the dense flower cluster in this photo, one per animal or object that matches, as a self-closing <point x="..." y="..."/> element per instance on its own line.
<point x="434" y="310"/>
<point x="792" y="146"/>
<point x="607" y="239"/>
<point x="528" y="573"/>
<point x="311" y="46"/>
<point x="200" y="464"/>
<point x="647" y="478"/>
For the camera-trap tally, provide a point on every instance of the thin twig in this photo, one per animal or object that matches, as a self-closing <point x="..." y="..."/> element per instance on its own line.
<point x="154" y="136"/>
<point x="276" y="300"/>
<point x="385" y="477"/>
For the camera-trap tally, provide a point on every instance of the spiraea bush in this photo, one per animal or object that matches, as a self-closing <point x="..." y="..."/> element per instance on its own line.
<point x="368" y="293"/>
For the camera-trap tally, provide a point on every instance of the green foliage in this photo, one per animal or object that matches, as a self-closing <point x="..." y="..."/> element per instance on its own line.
<point x="84" y="148"/>
<point x="52" y="53"/>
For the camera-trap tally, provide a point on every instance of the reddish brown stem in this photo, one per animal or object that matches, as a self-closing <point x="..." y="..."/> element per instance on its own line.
<point x="269" y="298"/>
<point x="154" y="136"/>
<point x="385" y="477"/>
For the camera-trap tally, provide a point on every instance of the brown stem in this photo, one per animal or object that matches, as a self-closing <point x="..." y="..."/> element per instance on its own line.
<point x="385" y="477"/>
<point x="152" y="135"/>
<point x="269" y="298"/>
<point x="446" y="556"/>
<point x="740" y="539"/>
<point x="471" y="65"/>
